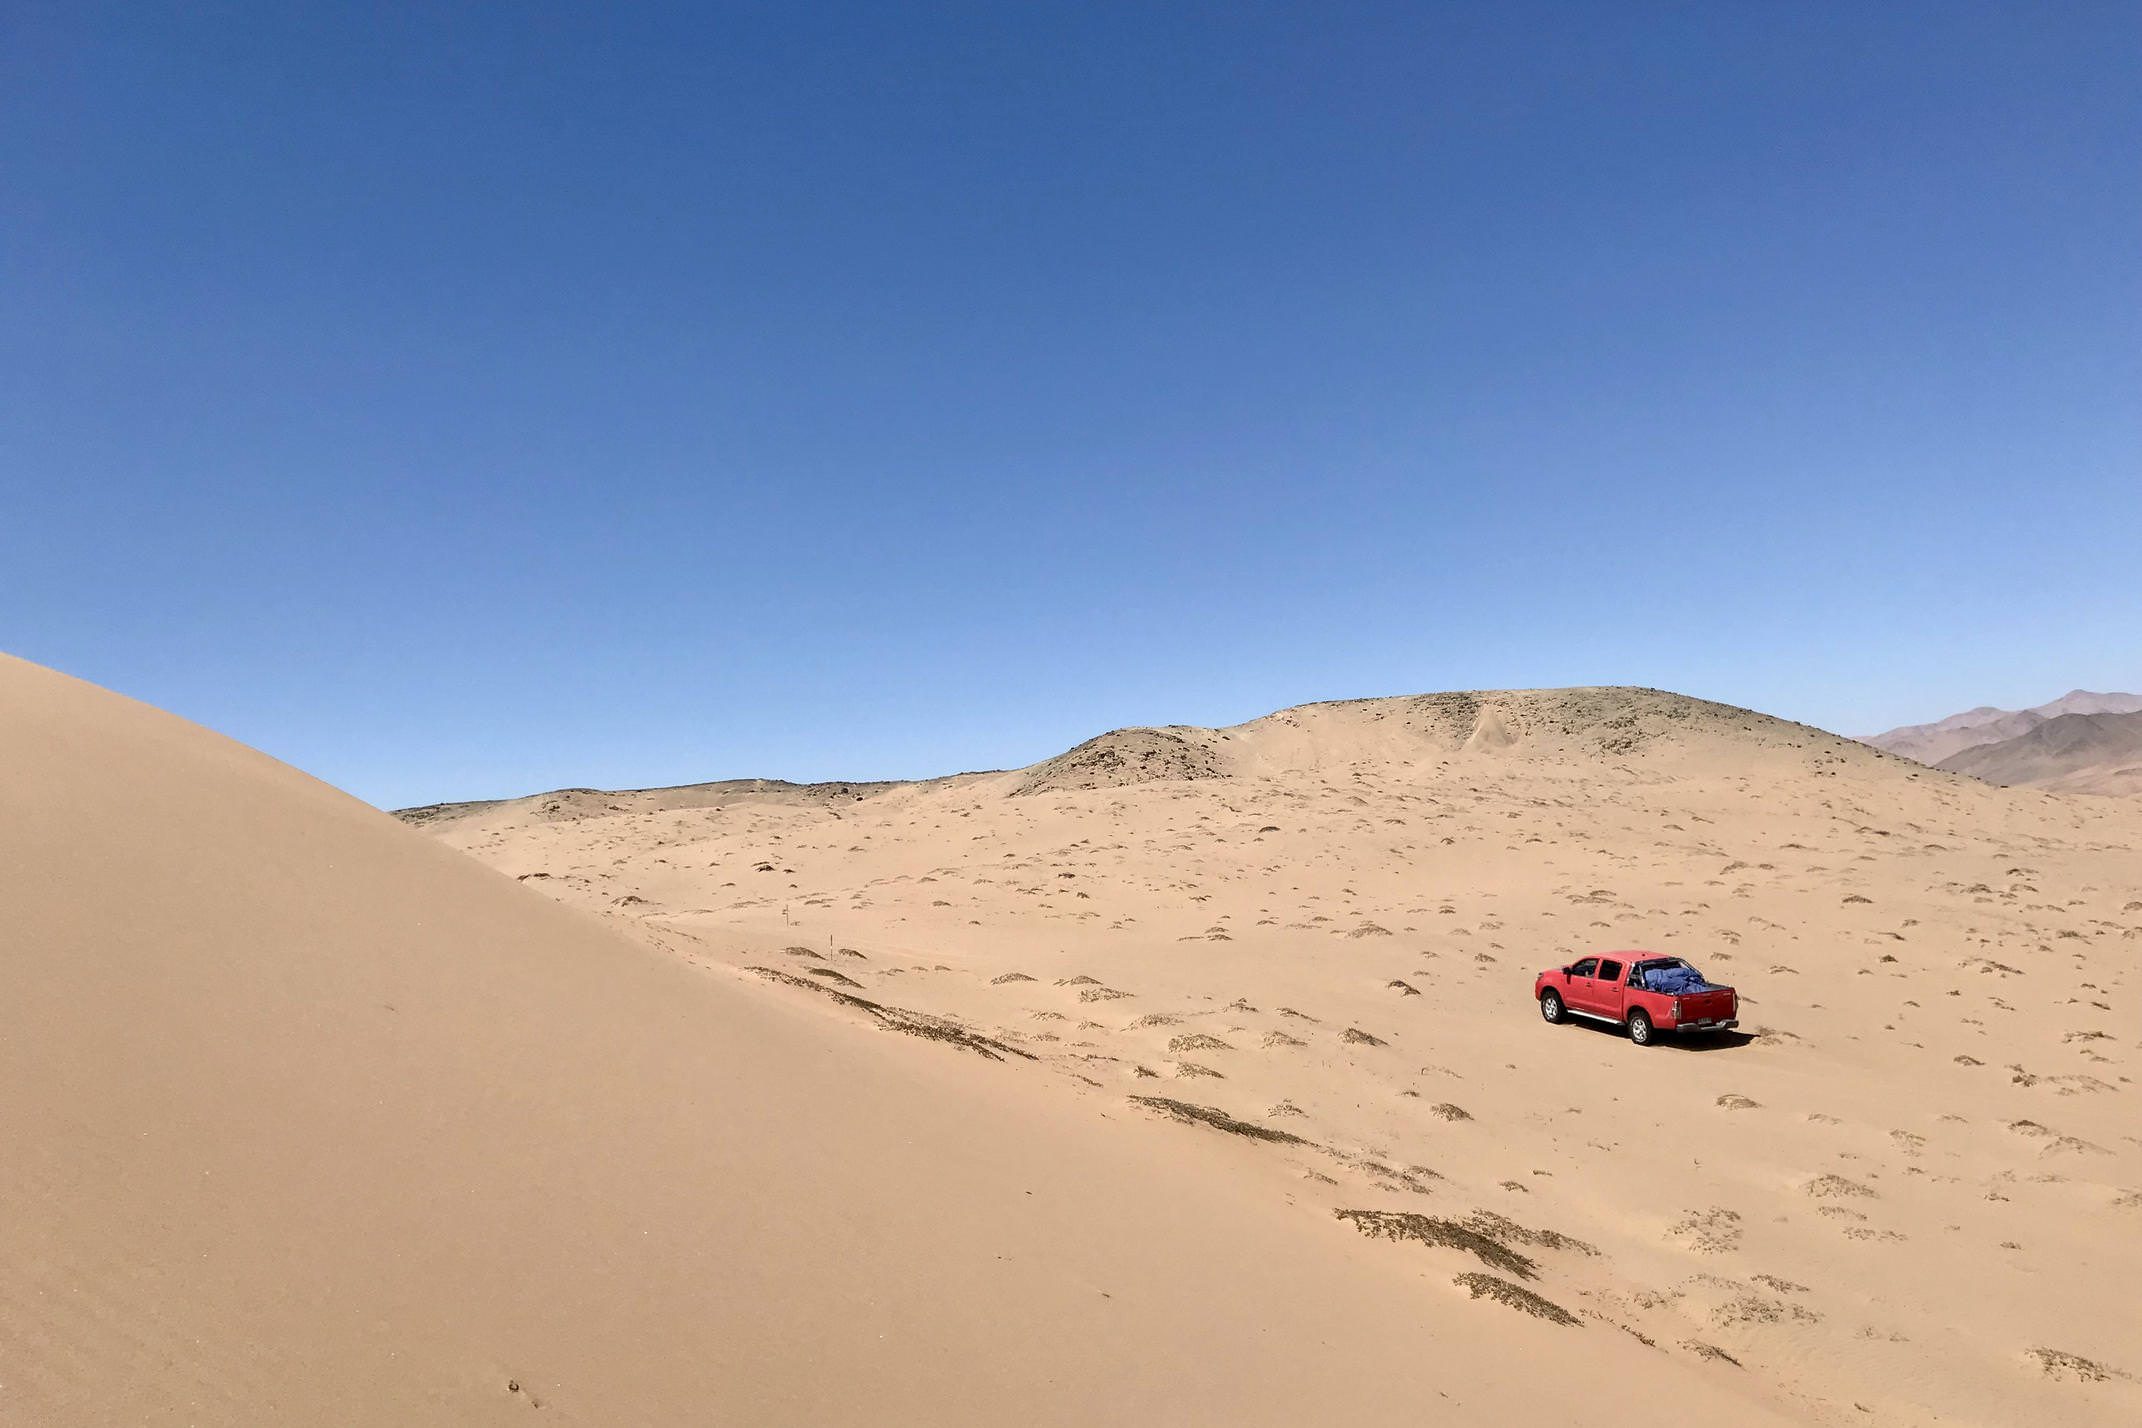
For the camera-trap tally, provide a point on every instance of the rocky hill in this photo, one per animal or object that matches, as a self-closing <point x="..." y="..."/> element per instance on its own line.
<point x="2073" y="753"/>
<point x="1938" y="742"/>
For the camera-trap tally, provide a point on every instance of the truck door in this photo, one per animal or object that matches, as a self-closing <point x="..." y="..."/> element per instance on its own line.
<point x="1607" y="991"/>
<point x="1583" y="988"/>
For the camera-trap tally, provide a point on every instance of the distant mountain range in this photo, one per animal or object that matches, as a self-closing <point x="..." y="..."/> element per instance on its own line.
<point x="2082" y="742"/>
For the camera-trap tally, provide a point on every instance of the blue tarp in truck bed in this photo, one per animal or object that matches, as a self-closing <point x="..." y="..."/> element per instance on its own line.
<point x="1678" y="981"/>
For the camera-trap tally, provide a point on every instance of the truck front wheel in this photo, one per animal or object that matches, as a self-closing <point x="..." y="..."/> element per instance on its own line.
<point x="1551" y="1006"/>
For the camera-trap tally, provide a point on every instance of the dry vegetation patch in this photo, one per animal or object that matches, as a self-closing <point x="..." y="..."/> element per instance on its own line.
<point x="2055" y="1363"/>
<point x="1710" y="1351"/>
<point x="1445" y="1234"/>
<point x="1190" y="1114"/>
<point x="900" y="1019"/>
<point x="1507" y="1230"/>
<point x="1487" y="1286"/>
<point x="1197" y="1041"/>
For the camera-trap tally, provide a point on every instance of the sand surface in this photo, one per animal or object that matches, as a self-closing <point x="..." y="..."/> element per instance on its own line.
<point x="311" y="1119"/>
<point x="1910" y="1192"/>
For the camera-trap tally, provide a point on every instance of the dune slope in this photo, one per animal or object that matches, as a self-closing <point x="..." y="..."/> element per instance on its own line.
<point x="311" y="1120"/>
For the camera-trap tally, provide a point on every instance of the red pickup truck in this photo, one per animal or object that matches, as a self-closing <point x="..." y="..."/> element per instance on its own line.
<point x="1640" y="990"/>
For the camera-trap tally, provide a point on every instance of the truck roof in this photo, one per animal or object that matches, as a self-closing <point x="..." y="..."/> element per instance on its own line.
<point x="1633" y="955"/>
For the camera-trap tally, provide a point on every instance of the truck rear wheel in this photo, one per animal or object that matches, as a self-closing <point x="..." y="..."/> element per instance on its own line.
<point x="1551" y="1006"/>
<point x="1640" y="1027"/>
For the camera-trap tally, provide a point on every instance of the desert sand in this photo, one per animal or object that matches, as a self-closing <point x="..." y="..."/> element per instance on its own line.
<point x="311" y="1119"/>
<point x="1295" y="957"/>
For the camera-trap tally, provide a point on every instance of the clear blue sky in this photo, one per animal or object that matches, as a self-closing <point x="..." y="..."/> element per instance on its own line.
<point x="465" y="400"/>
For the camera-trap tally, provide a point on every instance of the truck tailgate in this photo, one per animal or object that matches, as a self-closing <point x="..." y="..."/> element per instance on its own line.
<point x="1717" y="1005"/>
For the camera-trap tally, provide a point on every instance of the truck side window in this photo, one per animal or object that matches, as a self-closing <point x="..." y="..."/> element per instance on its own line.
<point x="1610" y="971"/>
<point x="1585" y="968"/>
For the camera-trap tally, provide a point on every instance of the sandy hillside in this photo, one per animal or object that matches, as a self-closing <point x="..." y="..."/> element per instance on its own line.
<point x="312" y="1120"/>
<point x="1911" y="1193"/>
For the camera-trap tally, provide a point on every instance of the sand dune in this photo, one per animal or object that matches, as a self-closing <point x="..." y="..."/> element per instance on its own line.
<point x="312" y="1120"/>
<point x="1301" y="949"/>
